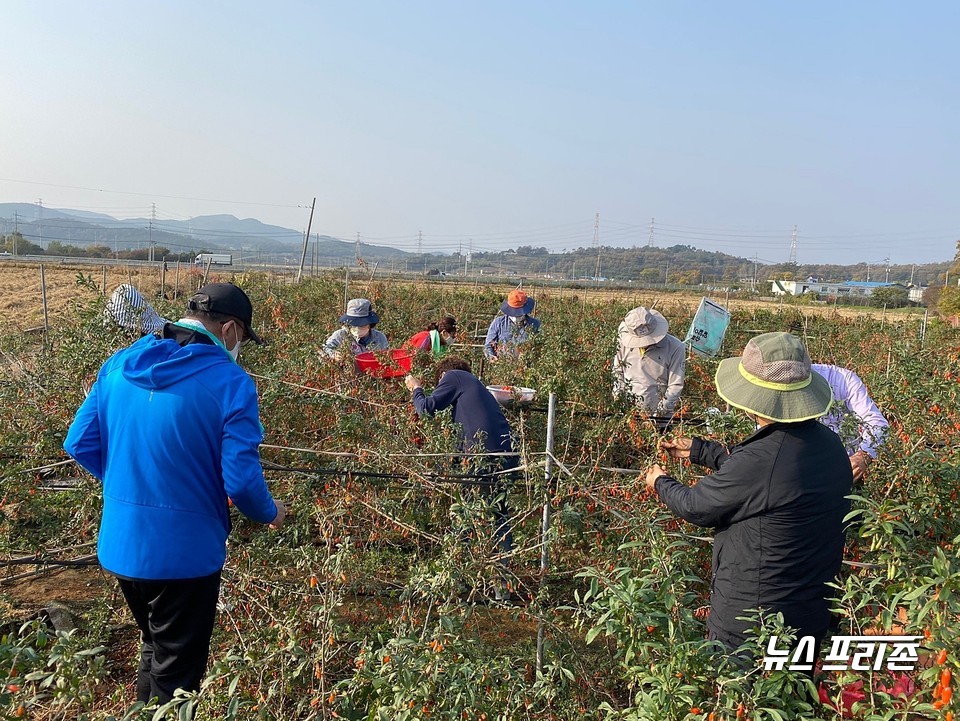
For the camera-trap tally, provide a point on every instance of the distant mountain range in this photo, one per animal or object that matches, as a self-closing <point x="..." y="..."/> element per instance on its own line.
<point x="248" y="237"/>
<point x="206" y="232"/>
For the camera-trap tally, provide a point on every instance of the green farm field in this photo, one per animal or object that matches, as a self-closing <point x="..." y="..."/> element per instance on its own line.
<point x="368" y="604"/>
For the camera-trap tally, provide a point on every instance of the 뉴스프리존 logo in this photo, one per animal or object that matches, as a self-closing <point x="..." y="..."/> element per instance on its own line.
<point x="847" y="653"/>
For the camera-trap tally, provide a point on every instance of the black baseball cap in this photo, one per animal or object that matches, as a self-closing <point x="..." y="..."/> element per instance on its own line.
<point x="228" y="299"/>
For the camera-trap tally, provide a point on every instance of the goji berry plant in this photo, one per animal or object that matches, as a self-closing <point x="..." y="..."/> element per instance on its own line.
<point x="378" y="599"/>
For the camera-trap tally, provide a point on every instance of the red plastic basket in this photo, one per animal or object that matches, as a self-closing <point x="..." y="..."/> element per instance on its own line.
<point x="401" y="363"/>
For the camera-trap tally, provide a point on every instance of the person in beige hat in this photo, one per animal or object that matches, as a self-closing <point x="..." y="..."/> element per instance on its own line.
<point x="649" y="364"/>
<point x="777" y="499"/>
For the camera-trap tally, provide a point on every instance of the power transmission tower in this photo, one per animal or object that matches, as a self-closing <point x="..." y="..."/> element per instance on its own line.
<point x="596" y="243"/>
<point x="420" y="249"/>
<point x="650" y="239"/>
<point x="793" y="247"/>
<point x="40" y="219"/>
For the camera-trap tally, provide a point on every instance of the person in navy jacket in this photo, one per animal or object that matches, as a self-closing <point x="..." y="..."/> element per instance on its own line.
<point x="484" y="428"/>
<point x="171" y="428"/>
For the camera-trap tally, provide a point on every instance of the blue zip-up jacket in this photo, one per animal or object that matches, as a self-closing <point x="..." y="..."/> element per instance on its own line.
<point x="171" y="430"/>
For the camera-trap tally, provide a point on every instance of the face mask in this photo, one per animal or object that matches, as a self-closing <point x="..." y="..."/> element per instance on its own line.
<point x="356" y="332"/>
<point x="235" y="351"/>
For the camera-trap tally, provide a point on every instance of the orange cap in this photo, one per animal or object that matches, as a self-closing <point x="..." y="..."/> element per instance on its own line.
<point x="516" y="299"/>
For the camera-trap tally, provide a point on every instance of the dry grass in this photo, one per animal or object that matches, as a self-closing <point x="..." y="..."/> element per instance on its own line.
<point x="21" y="301"/>
<point x="21" y="297"/>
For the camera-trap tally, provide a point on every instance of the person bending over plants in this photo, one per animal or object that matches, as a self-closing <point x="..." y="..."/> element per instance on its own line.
<point x="483" y="429"/>
<point x="436" y="338"/>
<point x="854" y="417"/>
<point x="649" y="365"/>
<point x="777" y="499"/>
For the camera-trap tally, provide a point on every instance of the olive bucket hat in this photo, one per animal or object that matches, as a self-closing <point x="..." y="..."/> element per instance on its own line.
<point x="773" y="379"/>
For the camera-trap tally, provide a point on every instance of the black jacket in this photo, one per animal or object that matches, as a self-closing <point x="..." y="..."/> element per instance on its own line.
<point x="777" y="500"/>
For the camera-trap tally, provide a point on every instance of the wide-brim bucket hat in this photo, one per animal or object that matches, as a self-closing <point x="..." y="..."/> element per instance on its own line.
<point x="517" y="304"/>
<point x="359" y="312"/>
<point x="773" y="379"/>
<point x="642" y="327"/>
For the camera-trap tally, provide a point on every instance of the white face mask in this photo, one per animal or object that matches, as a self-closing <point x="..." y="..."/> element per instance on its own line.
<point x="359" y="331"/>
<point x="235" y="351"/>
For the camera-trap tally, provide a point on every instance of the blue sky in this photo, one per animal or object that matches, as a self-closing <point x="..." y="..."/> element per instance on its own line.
<point x="500" y="123"/>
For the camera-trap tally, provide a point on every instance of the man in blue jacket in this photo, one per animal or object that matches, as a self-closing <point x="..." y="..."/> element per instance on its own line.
<point x="171" y="428"/>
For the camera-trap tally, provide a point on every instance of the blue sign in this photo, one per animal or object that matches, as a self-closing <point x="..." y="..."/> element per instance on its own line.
<point x="708" y="328"/>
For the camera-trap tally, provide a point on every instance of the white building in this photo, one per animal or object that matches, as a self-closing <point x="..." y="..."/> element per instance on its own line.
<point x="846" y="288"/>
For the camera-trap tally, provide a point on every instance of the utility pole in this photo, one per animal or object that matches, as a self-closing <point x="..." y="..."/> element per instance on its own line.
<point x="793" y="247"/>
<point x="16" y="231"/>
<point x="912" y="269"/>
<point x="306" y="241"/>
<point x="650" y="238"/>
<point x="754" y="271"/>
<point x="40" y="218"/>
<point x="596" y="244"/>
<point x="153" y="217"/>
<point x="420" y="249"/>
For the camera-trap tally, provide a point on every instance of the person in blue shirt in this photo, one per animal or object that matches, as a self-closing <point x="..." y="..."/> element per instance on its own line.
<point x="514" y="327"/>
<point x="171" y="429"/>
<point x="484" y="428"/>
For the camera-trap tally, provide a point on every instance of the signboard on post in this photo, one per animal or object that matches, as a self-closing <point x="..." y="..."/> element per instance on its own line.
<point x="708" y="328"/>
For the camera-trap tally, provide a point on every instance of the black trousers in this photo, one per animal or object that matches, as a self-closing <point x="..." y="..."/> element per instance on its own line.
<point x="176" y="622"/>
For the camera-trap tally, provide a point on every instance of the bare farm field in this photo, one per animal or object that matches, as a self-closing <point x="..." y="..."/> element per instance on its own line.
<point x="22" y="302"/>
